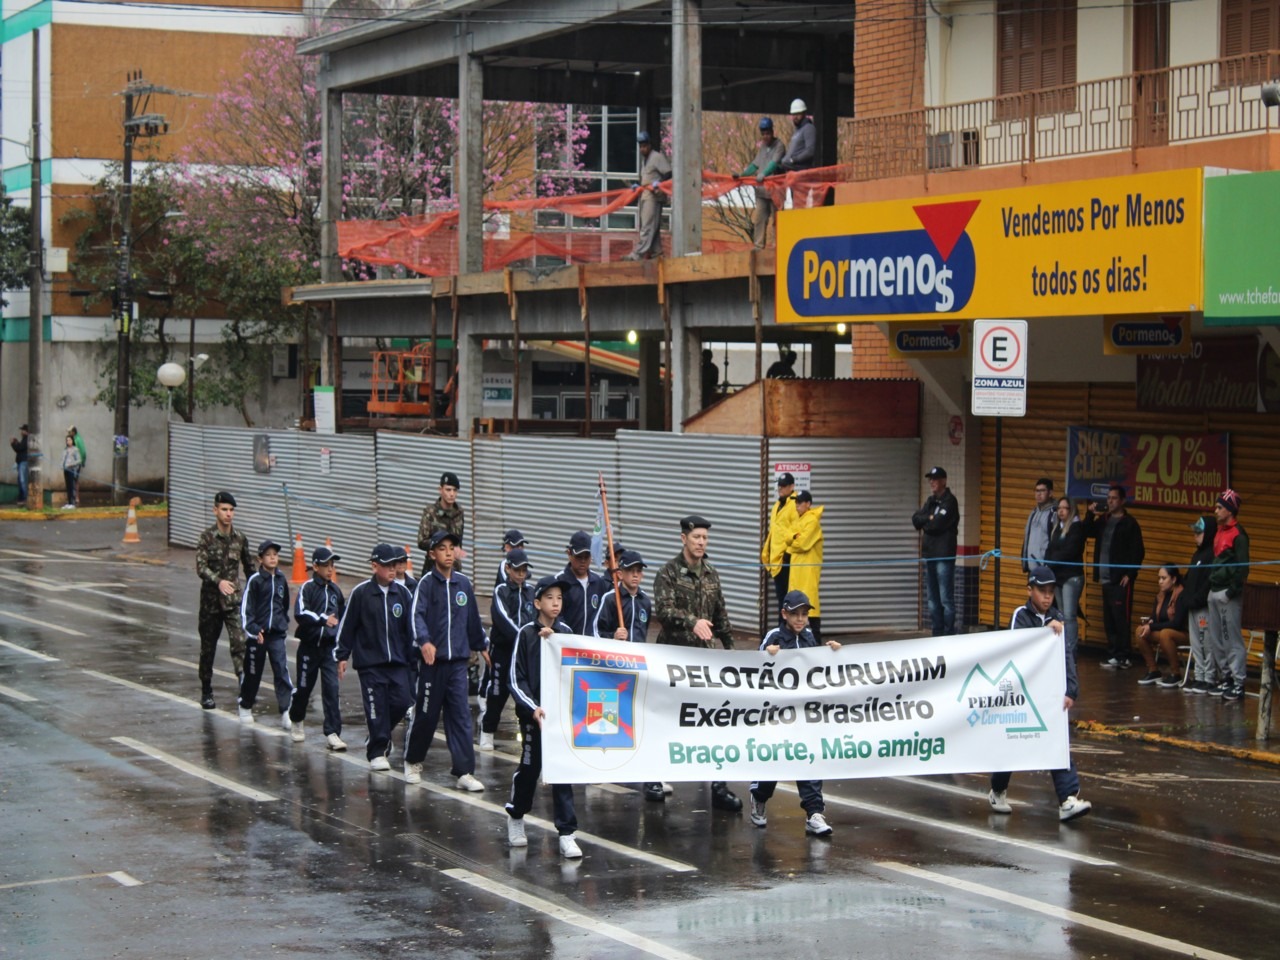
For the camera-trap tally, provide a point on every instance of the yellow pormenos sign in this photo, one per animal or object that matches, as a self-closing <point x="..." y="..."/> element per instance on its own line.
<point x="1117" y="245"/>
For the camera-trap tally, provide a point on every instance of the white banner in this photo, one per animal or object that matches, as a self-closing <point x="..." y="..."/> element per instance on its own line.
<point x="626" y="712"/>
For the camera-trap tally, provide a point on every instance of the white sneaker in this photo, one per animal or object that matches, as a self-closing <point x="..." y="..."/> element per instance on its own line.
<point x="246" y="715"/>
<point x="1073" y="807"/>
<point x="296" y="733"/>
<point x="515" y="833"/>
<point x="285" y="722"/>
<point x="569" y="847"/>
<point x="380" y="764"/>
<point x="335" y="743"/>
<point x="999" y="801"/>
<point x="667" y="789"/>
<point x="413" y="773"/>
<point x="758" y="816"/>
<point x="817" y="825"/>
<point x="470" y="784"/>
<point x="486" y="741"/>
<point x="68" y="506"/>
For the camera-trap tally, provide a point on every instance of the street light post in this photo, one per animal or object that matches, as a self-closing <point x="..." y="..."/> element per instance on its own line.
<point x="170" y="375"/>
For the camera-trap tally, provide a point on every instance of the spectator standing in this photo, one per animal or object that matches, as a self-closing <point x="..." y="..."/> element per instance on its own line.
<point x="74" y="434"/>
<point x="767" y="162"/>
<point x="938" y="521"/>
<point x="1117" y="555"/>
<point x="1065" y="557"/>
<point x="710" y="379"/>
<point x="806" y="558"/>
<point x="70" y="471"/>
<point x="784" y="368"/>
<point x="654" y="170"/>
<point x="21" y="451"/>
<point x="1227" y="576"/>
<point x="1204" y="670"/>
<point x="773" y="554"/>
<point x="1035" y="538"/>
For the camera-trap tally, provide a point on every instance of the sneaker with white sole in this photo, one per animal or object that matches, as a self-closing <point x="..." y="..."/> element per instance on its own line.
<point x="413" y="773"/>
<point x="758" y="816"/>
<point x="817" y="825"/>
<point x="380" y="764"/>
<point x="296" y="733"/>
<point x="246" y="715"/>
<point x="335" y="742"/>
<point x="515" y="833"/>
<point x="486" y="741"/>
<point x="569" y="847"/>
<point x="999" y="801"/>
<point x="667" y="789"/>
<point x="470" y="784"/>
<point x="1073" y="807"/>
<point x="286" y="722"/>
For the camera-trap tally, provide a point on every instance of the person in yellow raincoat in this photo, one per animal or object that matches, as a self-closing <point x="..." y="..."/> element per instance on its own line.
<point x="773" y="554"/>
<point x="806" y="556"/>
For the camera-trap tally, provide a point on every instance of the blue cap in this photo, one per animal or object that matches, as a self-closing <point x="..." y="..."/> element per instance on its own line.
<point x="517" y="557"/>
<point x="323" y="555"/>
<point x="438" y="537"/>
<point x="795" y="600"/>
<point x="514" y="538"/>
<point x="383" y="554"/>
<point x="266" y="545"/>
<point x="580" y="543"/>
<point x="546" y="583"/>
<point x="1041" y="576"/>
<point x="642" y="136"/>
<point x="766" y="123"/>
<point x="630" y="559"/>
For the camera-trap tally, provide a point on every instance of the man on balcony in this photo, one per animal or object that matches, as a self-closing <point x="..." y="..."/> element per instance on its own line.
<point x="654" y="169"/>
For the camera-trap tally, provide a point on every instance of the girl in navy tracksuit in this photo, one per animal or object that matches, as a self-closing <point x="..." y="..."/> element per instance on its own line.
<point x="264" y="614"/>
<point x="317" y="613"/>
<point x="376" y="635"/>
<point x="446" y="630"/>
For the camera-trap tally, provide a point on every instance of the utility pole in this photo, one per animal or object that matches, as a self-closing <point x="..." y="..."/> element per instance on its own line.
<point x="135" y="125"/>
<point x="35" y="336"/>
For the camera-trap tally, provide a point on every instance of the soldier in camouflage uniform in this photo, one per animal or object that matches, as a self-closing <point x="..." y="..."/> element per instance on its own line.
<point x="689" y="607"/>
<point x="220" y="555"/>
<point x="445" y="514"/>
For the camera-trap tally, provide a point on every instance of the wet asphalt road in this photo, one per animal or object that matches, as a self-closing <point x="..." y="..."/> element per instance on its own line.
<point x="120" y="840"/>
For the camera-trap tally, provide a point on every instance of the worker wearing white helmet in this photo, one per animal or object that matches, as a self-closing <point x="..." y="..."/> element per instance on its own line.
<point x="802" y="151"/>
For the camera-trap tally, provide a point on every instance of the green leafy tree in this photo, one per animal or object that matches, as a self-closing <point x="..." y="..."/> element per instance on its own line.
<point x="15" y="246"/>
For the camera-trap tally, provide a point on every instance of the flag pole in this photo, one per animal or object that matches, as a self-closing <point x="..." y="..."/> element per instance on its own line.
<point x="608" y="538"/>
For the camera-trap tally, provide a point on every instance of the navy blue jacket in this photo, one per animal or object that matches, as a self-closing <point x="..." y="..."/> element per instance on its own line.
<point x="376" y="629"/>
<point x="264" y="605"/>
<point x="637" y="611"/>
<point x="510" y="610"/>
<point x="446" y="614"/>
<point x="526" y="665"/>
<point x="1025" y="617"/>
<point x="318" y="599"/>
<point x="788" y="639"/>
<point x="581" y="602"/>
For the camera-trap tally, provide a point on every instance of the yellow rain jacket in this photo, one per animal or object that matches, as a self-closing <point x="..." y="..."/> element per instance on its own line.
<point x="806" y="556"/>
<point x="782" y="520"/>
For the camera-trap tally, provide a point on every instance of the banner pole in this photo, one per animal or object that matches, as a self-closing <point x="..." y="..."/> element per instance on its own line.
<point x="608" y="538"/>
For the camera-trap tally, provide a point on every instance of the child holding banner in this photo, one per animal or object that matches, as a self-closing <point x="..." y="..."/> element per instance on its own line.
<point x="526" y="686"/>
<point x="794" y="634"/>
<point x="1039" y="611"/>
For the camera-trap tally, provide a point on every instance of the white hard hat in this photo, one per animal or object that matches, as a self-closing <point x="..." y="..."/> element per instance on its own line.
<point x="798" y="106"/>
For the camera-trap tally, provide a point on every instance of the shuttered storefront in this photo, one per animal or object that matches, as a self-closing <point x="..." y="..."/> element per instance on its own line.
<point x="1035" y="446"/>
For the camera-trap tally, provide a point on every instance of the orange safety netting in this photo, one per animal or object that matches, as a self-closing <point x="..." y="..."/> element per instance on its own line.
<point x="428" y="244"/>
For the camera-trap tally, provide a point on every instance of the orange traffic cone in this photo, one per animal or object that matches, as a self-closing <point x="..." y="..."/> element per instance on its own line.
<point x="131" y="524"/>
<point x="299" y="561"/>
<point x="408" y="561"/>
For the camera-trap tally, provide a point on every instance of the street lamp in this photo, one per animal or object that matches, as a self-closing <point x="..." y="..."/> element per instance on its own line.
<point x="170" y="375"/>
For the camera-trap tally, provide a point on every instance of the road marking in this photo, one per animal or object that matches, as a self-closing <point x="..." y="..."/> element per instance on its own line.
<point x="208" y="776"/>
<point x="675" y="866"/>
<point x="973" y="832"/>
<point x="572" y="917"/>
<point x="1144" y="937"/>
<point x="119" y="876"/>
<point x="13" y="694"/>
<point x="195" y="666"/>
<point x="195" y="704"/>
<point x="952" y="788"/>
<point x="42" y="623"/>
<point x="30" y="653"/>
<point x="76" y="556"/>
<point x="23" y="554"/>
<point x="58" y="586"/>
<point x="94" y="612"/>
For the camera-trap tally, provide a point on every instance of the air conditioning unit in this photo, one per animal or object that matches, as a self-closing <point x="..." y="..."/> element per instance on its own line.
<point x="940" y="150"/>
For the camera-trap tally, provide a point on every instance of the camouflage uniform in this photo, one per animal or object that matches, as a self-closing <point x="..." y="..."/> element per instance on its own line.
<point x="219" y="557"/>
<point x="683" y="595"/>
<point x="439" y="517"/>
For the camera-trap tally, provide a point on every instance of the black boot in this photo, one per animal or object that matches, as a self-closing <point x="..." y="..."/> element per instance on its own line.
<point x="722" y="798"/>
<point x="206" y="698"/>
<point x="654" y="792"/>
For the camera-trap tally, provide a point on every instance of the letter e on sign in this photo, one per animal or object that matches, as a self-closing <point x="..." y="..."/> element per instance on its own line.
<point x="999" y="385"/>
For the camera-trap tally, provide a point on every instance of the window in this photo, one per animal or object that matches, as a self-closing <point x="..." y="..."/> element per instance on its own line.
<point x="1248" y="27"/>
<point x="610" y="161"/>
<point x="1036" y="50"/>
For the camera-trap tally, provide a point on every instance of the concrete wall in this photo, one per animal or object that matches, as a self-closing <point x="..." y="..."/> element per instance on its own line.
<point x="1193" y="31"/>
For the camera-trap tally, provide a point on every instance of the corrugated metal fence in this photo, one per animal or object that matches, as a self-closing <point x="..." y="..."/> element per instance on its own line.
<point x="361" y="489"/>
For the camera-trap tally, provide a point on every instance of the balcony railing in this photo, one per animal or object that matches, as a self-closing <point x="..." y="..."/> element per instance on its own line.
<point x="1213" y="100"/>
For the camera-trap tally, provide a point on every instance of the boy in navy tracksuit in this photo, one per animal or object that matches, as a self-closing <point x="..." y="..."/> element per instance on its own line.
<point x="317" y="612"/>
<point x="1039" y="611"/>
<point x="794" y="634"/>
<point x="526" y="686"/>
<point x="511" y="609"/>
<point x="637" y="608"/>
<point x="583" y="587"/>
<point x="376" y="634"/>
<point x="446" y="629"/>
<point x="264" y="615"/>
<point x="510" y="540"/>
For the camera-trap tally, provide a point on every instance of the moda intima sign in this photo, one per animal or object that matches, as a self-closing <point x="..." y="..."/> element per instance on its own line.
<point x="1218" y="374"/>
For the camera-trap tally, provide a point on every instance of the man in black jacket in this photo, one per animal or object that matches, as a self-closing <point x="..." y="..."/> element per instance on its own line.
<point x="1116" y="557"/>
<point x="938" y="520"/>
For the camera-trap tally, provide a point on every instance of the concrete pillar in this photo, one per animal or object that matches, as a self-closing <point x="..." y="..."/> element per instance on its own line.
<point x="822" y="357"/>
<point x="330" y="179"/>
<point x="470" y="383"/>
<point x="651" y="382"/>
<point x="525" y="375"/>
<point x="469" y="162"/>
<point x="686" y="362"/>
<point x="686" y="133"/>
